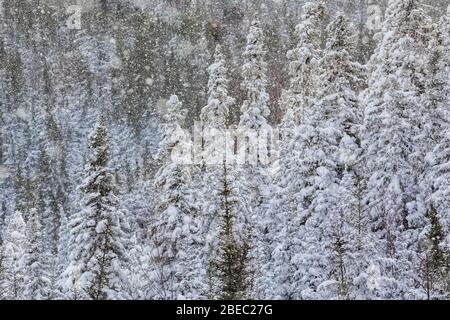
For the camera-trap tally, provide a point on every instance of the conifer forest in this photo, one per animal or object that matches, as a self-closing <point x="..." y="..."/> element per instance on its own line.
<point x="224" y="150"/>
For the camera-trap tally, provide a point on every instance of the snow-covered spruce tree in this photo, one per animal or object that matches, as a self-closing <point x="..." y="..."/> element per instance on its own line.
<point x="216" y="149"/>
<point x="436" y="102"/>
<point x="330" y="143"/>
<point x="141" y="278"/>
<point x="97" y="238"/>
<point x="13" y="251"/>
<point x="2" y="269"/>
<point x="214" y="117"/>
<point x="49" y="181"/>
<point x="229" y="269"/>
<point x="253" y="123"/>
<point x="333" y="162"/>
<point x="214" y="124"/>
<point x="435" y="259"/>
<point x="62" y="257"/>
<point x="435" y="141"/>
<point x="37" y="281"/>
<point x="296" y="184"/>
<point x="279" y="266"/>
<point x="352" y="242"/>
<point x="174" y="232"/>
<point x="391" y="153"/>
<point x="254" y="149"/>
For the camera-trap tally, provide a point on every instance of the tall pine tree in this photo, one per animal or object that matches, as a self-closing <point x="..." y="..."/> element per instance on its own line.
<point x="98" y="231"/>
<point x="298" y="169"/>
<point x="175" y="231"/>
<point x="334" y="208"/>
<point x="13" y="252"/>
<point x="391" y="153"/>
<point x="37" y="261"/>
<point x="254" y="152"/>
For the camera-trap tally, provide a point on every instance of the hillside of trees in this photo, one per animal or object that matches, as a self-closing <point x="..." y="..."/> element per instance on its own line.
<point x="313" y="144"/>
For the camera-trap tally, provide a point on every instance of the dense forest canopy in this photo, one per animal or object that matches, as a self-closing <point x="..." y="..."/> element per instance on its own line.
<point x="95" y="96"/>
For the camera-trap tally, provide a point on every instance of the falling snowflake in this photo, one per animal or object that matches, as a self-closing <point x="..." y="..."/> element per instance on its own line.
<point x="149" y="81"/>
<point x="22" y="114"/>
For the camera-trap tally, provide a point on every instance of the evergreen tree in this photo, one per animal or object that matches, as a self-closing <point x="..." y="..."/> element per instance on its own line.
<point x="217" y="149"/>
<point x="432" y="131"/>
<point x="254" y="152"/>
<point x="341" y="78"/>
<point x="230" y="273"/>
<point x="255" y="109"/>
<point x="175" y="232"/>
<point x="13" y="252"/>
<point x="37" y="281"/>
<point x="436" y="142"/>
<point x="329" y="140"/>
<point x="2" y="271"/>
<point x="50" y="201"/>
<point x="390" y="126"/>
<point x="302" y="155"/>
<point x="62" y="257"/>
<point x="213" y="147"/>
<point x="97" y="232"/>
<point x="435" y="260"/>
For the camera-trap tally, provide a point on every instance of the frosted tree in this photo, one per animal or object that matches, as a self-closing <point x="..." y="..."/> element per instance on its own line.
<point x="435" y="259"/>
<point x="391" y="152"/>
<point x="334" y="169"/>
<point x="217" y="148"/>
<point x="214" y="124"/>
<point x="435" y="244"/>
<point x="62" y="257"/>
<point x="302" y="156"/>
<point x="229" y="270"/>
<point x="2" y="271"/>
<point x="175" y="232"/>
<point x="37" y="281"/>
<point x="433" y="127"/>
<point x="353" y="251"/>
<point x="254" y="150"/>
<point x="437" y="86"/>
<point x="255" y="111"/>
<point x="329" y="141"/>
<point x="436" y="134"/>
<point x="13" y="251"/>
<point x="98" y="235"/>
